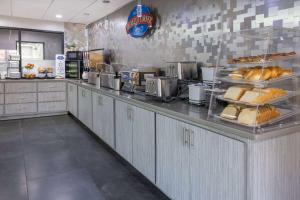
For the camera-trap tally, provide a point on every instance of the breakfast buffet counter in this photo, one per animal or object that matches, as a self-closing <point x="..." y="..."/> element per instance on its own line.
<point x="178" y="109"/>
<point x="167" y="140"/>
<point x="191" y="114"/>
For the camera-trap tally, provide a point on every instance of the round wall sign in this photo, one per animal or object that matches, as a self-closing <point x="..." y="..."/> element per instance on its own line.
<point x="140" y="21"/>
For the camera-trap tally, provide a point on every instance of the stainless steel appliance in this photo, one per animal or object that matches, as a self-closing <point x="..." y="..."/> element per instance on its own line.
<point x="109" y="78"/>
<point x="92" y="77"/>
<point x="135" y="80"/>
<point x="198" y="93"/>
<point x="208" y="74"/>
<point x="162" y="87"/>
<point x="183" y="70"/>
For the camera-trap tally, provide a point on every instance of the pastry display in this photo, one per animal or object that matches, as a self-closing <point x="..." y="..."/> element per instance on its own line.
<point x="235" y="93"/>
<point x="254" y="116"/>
<point x="261" y="58"/>
<point x="258" y="73"/>
<point x="254" y="96"/>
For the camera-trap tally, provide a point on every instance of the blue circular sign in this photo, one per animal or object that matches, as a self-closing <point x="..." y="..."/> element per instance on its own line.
<point x="140" y="21"/>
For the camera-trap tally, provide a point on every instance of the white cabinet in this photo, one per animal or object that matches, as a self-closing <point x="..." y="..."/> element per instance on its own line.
<point x="20" y="87"/>
<point x="73" y="99"/>
<point x="143" y="157"/>
<point x="20" y="98"/>
<point x="195" y="164"/>
<point x="85" y="107"/>
<point x="51" y="96"/>
<point x="1" y="110"/>
<point x="124" y="127"/>
<point x="27" y="108"/>
<point x="135" y="137"/>
<point x="49" y="107"/>
<point x="218" y="168"/>
<point x="103" y="118"/>
<point x="172" y="170"/>
<point x="1" y="88"/>
<point x="1" y="98"/>
<point x="51" y="86"/>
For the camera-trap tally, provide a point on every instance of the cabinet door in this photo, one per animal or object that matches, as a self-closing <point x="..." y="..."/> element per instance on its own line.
<point x="217" y="167"/>
<point x="72" y="99"/>
<point x="85" y="107"/>
<point x="50" y="107"/>
<point x="51" y="86"/>
<point x="172" y="158"/>
<point x="103" y="118"/>
<point x="144" y="142"/>
<point x="124" y="130"/>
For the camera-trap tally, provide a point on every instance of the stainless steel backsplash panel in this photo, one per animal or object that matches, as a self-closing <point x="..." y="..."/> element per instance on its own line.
<point x="189" y="29"/>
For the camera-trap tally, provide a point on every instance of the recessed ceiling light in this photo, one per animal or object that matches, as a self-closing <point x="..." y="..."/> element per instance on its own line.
<point x="59" y="16"/>
<point x="106" y="1"/>
<point x="86" y="14"/>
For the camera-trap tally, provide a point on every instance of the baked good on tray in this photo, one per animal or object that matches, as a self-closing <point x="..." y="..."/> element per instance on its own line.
<point x="235" y="92"/>
<point x="250" y="96"/>
<point x="260" y="58"/>
<point x="254" y="116"/>
<point x="254" y="96"/>
<point x="258" y="73"/>
<point x="231" y="112"/>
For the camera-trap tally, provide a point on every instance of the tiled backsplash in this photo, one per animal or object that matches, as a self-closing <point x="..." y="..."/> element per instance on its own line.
<point x="189" y="29"/>
<point x="75" y="34"/>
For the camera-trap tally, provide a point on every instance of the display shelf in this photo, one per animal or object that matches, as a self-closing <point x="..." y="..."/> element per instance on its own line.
<point x="290" y="94"/>
<point x="258" y="84"/>
<point x="278" y="52"/>
<point x="284" y="114"/>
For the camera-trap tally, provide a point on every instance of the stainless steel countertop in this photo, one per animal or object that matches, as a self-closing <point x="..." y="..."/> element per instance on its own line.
<point x="180" y="110"/>
<point x="191" y="114"/>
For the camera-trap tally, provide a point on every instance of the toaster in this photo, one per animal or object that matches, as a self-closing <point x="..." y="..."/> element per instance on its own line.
<point x="183" y="70"/>
<point x="162" y="87"/>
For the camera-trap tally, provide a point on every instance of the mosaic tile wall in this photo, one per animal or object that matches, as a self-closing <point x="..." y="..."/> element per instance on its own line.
<point x="189" y="29"/>
<point x="75" y="34"/>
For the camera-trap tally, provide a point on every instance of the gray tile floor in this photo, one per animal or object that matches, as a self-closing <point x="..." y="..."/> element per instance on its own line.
<point x="55" y="158"/>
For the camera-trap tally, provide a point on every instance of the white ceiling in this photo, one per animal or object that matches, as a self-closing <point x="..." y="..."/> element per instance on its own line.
<point x="76" y="11"/>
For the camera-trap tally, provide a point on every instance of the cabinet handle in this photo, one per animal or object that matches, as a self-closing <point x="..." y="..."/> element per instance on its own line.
<point x="185" y="136"/>
<point x="192" y="138"/>
<point x="71" y="88"/>
<point x="131" y="114"/>
<point x="128" y="112"/>
<point x="100" y="101"/>
<point x="83" y="93"/>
